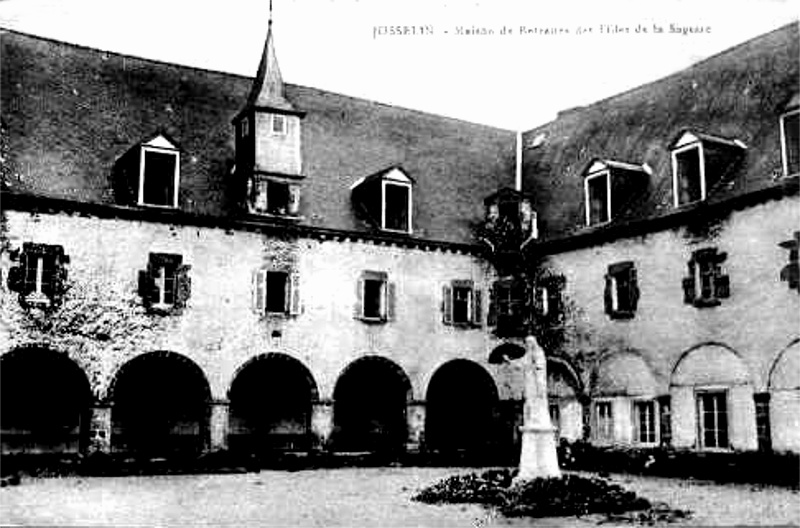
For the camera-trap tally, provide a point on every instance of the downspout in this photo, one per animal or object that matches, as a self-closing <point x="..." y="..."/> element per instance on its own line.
<point x="518" y="166"/>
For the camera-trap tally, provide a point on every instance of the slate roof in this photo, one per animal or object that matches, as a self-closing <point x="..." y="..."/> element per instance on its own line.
<point x="737" y="94"/>
<point x="69" y="112"/>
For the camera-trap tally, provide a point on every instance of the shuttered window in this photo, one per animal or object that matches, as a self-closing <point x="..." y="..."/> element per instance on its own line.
<point x="276" y="292"/>
<point x="40" y="276"/>
<point x="165" y="285"/>
<point x="621" y="295"/>
<point x="706" y="283"/>
<point x="375" y="297"/>
<point x="462" y="304"/>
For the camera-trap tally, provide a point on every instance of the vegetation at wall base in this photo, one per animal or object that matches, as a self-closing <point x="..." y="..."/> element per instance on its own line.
<point x="569" y="495"/>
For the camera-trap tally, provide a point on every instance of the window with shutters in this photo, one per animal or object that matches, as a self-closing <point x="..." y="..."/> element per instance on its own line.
<point x="165" y="285"/>
<point x="375" y="297"/>
<point x="712" y="419"/>
<point x="604" y="422"/>
<point x="621" y="293"/>
<point x="790" y="142"/>
<point x="462" y="304"/>
<point x="273" y="196"/>
<point x="791" y="272"/>
<point x="706" y="282"/>
<point x="276" y="292"/>
<point x="644" y="422"/>
<point x="40" y="276"/>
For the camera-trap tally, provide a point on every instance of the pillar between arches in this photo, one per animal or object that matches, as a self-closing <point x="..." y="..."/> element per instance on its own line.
<point x="321" y="424"/>
<point x="100" y="429"/>
<point x="219" y="425"/>
<point x="415" y="420"/>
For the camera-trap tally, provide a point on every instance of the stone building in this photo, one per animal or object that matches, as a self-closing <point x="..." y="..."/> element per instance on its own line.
<point x="194" y="260"/>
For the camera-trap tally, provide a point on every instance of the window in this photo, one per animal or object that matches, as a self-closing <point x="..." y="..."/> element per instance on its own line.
<point x="712" y="419"/>
<point x="699" y="162"/>
<point x="791" y="272"/>
<point x="276" y="292"/>
<point x="598" y="198"/>
<point x="375" y="297"/>
<point x="604" y="421"/>
<point x="763" y="433"/>
<point x="644" y="422"/>
<point x="510" y="214"/>
<point x="790" y="142"/>
<point x="541" y="301"/>
<point x="397" y="207"/>
<point x="279" y="124"/>
<point x="159" y="173"/>
<point x="165" y="285"/>
<point x="547" y="298"/>
<point x="244" y="129"/>
<point x="507" y="307"/>
<point x="554" y="410"/>
<point x="622" y="290"/>
<point x="706" y="284"/>
<point x="275" y="197"/>
<point x="461" y="304"/>
<point x="40" y="277"/>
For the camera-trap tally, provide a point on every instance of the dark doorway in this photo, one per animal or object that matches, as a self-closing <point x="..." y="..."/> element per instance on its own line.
<point x="160" y="406"/>
<point x="370" y="406"/>
<point x="461" y="406"/>
<point x="44" y="402"/>
<point x="271" y="399"/>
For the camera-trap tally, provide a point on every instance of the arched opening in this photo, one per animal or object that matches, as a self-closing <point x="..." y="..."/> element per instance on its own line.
<point x="44" y="402"/>
<point x="563" y="393"/>
<point x="271" y="398"/>
<point x="461" y="405"/>
<point x="784" y="402"/>
<point x="369" y="409"/>
<point x="160" y="406"/>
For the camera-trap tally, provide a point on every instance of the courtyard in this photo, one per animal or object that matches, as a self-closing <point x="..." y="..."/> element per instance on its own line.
<point x="344" y="497"/>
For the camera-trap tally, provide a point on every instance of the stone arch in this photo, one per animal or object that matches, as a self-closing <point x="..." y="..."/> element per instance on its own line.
<point x="461" y="403"/>
<point x="271" y="397"/>
<point x="711" y="393"/>
<point x="160" y="405"/>
<point x="45" y="398"/>
<point x="784" y="399"/>
<point x="369" y="406"/>
<point x="565" y="394"/>
<point x="506" y="351"/>
<point x="623" y="374"/>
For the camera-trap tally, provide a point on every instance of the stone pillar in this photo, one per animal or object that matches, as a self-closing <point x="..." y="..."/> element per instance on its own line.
<point x="219" y="425"/>
<point x="415" y="416"/>
<point x="322" y="424"/>
<point x="100" y="429"/>
<point x="684" y="416"/>
<point x="538" y="456"/>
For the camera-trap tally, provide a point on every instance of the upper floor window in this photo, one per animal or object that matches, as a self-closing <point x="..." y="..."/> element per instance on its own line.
<point x="159" y="173"/>
<point x="706" y="283"/>
<point x="40" y="277"/>
<point x="791" y="272"/>
<point x="699" y="162"/>
<point x="386" y="199"/>
<point x="375" y="297"/>
<point x="461" y="304"/>
<point x="244" y="127"/>
<point x="610" y="182"/>
<point x="510" y="215"/>
<point x="508" y="307"/>
<point x="276" y="292"/>
<point x="165" y="284"/>
<point x="548" y="297"/>
<point x="279" y="124"/>
<point x="275" y="197"/>
<point x="622" y="290"/>
<point x="790" y="142"/>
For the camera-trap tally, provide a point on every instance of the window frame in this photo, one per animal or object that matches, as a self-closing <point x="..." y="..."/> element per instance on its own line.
<point x="291" y="292"/>
<point x="409" y="205"/>
<point x="700" y="422"/>
<point x="260" y="187"/>
<point x="614" y="292"/>
<point x="385" y="300"/>
<point x="785" y="142"/>
<point x="46" y="263"/>
<point x="474" y="301"/>
<point x="695" y="144"/>
<point x="144" y="150"/>
<point x="283" y="129"/>
<point x="719" y="280"/>
<point x="603" y="434"/>
<point x="587" y="197"/>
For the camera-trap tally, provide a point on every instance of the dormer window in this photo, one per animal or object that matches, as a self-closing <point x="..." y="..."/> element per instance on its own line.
<point x="609" y="185"/>
<point x="279" y="125"/>
<point x="699" y="162"/>
<point x="386" y="200"/>
<point x="790" y="142"/>
<point x="159" y="173"/>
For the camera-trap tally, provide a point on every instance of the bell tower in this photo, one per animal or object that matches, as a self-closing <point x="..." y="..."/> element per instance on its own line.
<point x="268" y="135"/>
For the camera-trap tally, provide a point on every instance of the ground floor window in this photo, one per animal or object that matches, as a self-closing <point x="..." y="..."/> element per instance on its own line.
<point x="762" y="422"/>
<point x="712" y="417"/>
<point x="604" y="430"/>
<point x="665" y="419"/>
<point x="644" y="416"/>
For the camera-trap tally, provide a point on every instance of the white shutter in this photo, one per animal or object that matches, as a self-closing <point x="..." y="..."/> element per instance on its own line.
<point x="294" y="199"/>
<point x="260" y="291"/>
<point x="293" y="295"/>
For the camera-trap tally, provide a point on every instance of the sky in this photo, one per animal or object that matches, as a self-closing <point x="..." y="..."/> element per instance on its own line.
<point x="512" y="64"/>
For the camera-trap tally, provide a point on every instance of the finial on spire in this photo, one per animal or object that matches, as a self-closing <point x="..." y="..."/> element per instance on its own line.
<point x="270" y="12"/>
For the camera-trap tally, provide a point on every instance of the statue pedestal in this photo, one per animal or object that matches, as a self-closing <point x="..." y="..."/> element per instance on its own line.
<point x="538" y="456"/>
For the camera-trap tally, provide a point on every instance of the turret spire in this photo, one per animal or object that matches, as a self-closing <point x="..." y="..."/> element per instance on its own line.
<point x="267" y="90"/>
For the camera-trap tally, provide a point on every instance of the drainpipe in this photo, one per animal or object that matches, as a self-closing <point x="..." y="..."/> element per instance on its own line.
<point x="518" y="166"/>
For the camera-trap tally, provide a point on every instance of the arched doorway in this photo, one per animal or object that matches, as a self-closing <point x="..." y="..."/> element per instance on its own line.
<point x="44" y="402"/>
<point x="160" y="406"/>
<point x="461" y="405"/>
<point x="271" y="398"/>
<point x="369" y="409"/>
